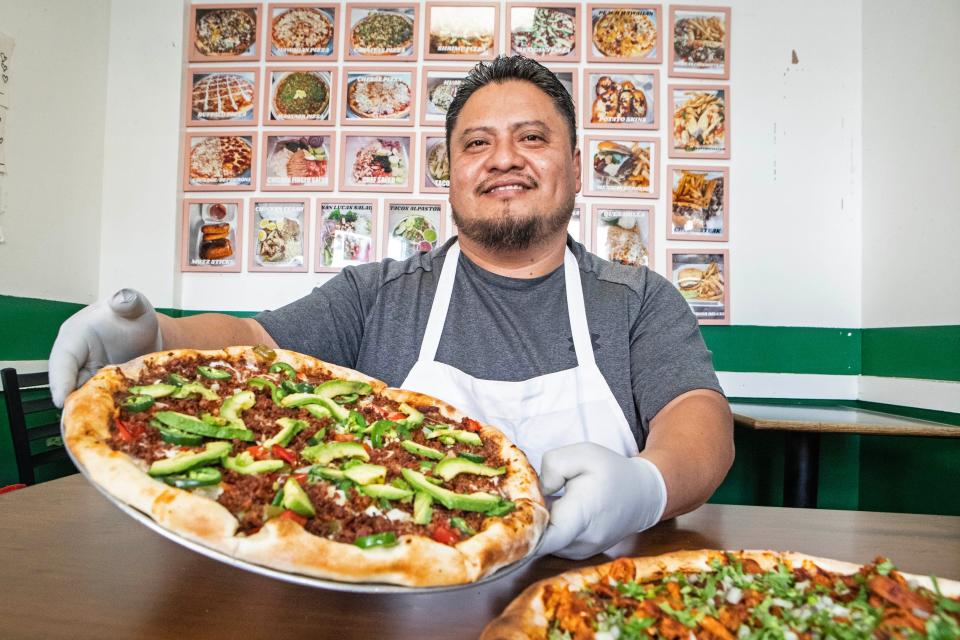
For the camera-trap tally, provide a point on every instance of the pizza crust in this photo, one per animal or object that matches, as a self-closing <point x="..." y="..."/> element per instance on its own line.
<point x="415" y="561"/>
<point x="525" y="617"/>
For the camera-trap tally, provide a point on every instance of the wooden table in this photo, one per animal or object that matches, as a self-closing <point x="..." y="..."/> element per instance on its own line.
<point x="803" y="425"/>
<point x="74" y="566"/>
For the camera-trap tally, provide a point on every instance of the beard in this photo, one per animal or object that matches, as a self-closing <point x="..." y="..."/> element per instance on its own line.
<point x="514" y="231"/>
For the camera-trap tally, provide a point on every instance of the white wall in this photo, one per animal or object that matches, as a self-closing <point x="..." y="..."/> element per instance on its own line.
<point x="911" y="150"/>
<point x="54" y="148"/>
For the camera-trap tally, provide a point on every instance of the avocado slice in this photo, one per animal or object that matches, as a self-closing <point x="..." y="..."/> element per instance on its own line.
<point x="414" y="417"/>
<point x="301" y="399"/>
<point x="422" y="451"/>
<point x="245" y="464"/>
<point x="385" y="491"/>
<point x="232" y="406"/>
<point x="318" y="411"/>
<point x="325" y="453"/>
<point x="178" y="464"/>
<point x="327" y="473"/>
<point x="422" y="508"/>
<point x="158" y="390"/>
<point x="189" y="424"/>
<point x="466" y="437"/>
<point x="289" y="427"/>
<point x="366" y="473"/>
<point x="296" y="499"/>
<point x="190" y="388"/>
<point x="450" y="468"/>
<point x="333" y="388"/>
<point x="478" y="501"/>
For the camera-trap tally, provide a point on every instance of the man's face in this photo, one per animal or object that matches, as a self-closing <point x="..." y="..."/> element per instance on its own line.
<point x="513" y="176"/>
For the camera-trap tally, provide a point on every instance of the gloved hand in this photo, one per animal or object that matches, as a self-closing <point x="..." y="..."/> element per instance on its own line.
<point x="608" y="496"/>
<point x="116" y="329"/>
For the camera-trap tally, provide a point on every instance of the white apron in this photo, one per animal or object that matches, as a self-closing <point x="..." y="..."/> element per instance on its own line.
<point x="539" y="414"/>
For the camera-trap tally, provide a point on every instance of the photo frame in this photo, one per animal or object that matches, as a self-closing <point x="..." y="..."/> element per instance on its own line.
<point x="219" y="161"/>
<point x="299" y="96"/>
<point x="365" y="101"/>
<point x="608" y="24"/>
<point x="378" y="161"/>
<point x="440" y="84"/>
<point x="699" y="42"/>
<point x="698" y="203"/>
<point x="346" y="230"/>
<point x="577" y="227"/>
<point x="703" y="277"/>
<point x="459" y="30"/>
<point x="222" y="96"/>
<point x="279" y="235"/>
<point x="411" y="226"/>
<point x="434" y="163"/>
<point x="381" y="31"/>
<point x="545" y="30"/>
<point x="624" y="233"/>
<point x="621" y="166"/>
<point x="569" y="77"/>
<point x="224" y="32"/>
<point x="621" y="98"/>
<point x="297" y="161"/>
<point x="700" y="121"/>
<point x="302" y="31"/>
<point x="211" y="235"/>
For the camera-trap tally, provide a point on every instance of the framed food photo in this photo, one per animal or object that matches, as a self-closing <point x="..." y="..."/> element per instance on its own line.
<point x="435" y="163"/>
<point x="697" y="203"/>
<point x="211" y="235"/>
<point x="621" y="166"/>
<point x="440" y="85"/>
<point x="381" y="31"/>
<point x="701" y="121"/>
<point x="700" y="42"/>
<point x="297" y="161"/>
<point x="620" y="99"/>
<point x="279" y="235"/>
<point x="569" y="77"/>
<point x="220" y="33"/>
<point x="412" y="226"/>
<point x="624" y="33"/>
<point x="380" y="162"/>
<point x="461" y="31"/>
<point x="378" y="96"/>
<point x="623" y="234"/>
<point x="298" y="96"/>
<point x="346" y="233"/>
<point x="544" y="30"/>
<point x="577" y="225"/>
<point x="302" y="31"/>
<point x="222" y="96"/>
<point x="219" y="162"/>
<point x="703" y="277"/>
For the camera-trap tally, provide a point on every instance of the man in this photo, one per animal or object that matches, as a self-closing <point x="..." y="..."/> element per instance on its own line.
<point x="581" y="362"/>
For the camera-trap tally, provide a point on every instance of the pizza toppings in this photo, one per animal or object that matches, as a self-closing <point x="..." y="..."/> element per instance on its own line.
<point x="269" y="441"/>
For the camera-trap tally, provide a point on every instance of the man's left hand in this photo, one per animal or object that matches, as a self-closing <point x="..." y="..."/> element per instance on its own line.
<point x="607" y="496"/>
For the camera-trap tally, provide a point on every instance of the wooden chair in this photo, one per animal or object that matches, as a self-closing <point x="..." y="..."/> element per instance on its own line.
<point x="34" y="422"/>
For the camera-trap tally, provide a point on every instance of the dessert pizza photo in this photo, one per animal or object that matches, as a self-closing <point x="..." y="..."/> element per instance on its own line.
<point x="728" y="595"/>
<point x="278" y="459"/>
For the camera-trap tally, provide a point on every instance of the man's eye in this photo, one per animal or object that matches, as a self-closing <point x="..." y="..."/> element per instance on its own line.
<point x="533" y="136"/>
<point x="475" y="143"/>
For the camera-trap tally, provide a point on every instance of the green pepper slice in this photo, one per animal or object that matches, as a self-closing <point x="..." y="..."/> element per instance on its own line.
<point x="177" y="379"/>
<point x="264" y="352"/>
<point x="472" y="457"/>
<point x="136" y="404"/>
<point x="379" y="429"/>
<point x="275" y="394"/>
<point x="202" y="477"/>
<point x="213" y="374"/>
<point x="385" y="539"/>
<point x="461" y="524"/>
<point x="296" y="387"/>
<point x="285" y="367"/>
<point x="181" y="438"/>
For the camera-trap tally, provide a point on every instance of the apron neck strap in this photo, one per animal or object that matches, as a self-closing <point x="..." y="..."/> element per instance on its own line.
<point x="576" y="309"/>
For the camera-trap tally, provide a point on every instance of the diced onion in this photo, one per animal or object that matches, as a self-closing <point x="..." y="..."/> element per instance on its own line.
<point x="734" y="595"/>
<point x="398" y="515"/>
<point x="373" y="511"/>
<point x="783" y="604"/>
<point x="920" y="613"/>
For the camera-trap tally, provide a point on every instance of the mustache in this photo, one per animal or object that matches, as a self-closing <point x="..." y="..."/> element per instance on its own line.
<point x="526" y="181"/>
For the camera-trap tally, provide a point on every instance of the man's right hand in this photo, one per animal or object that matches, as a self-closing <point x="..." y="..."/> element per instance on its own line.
<point x="114" y="330"/>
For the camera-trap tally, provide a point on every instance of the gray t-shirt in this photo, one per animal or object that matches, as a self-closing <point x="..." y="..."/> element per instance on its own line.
<point x="371" y="318"/>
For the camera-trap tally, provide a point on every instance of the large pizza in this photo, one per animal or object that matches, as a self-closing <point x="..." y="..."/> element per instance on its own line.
<point x="220" y="96"/>
<point x="727" y="595"/>
<point x="220" y="158"/>
<point x="625" y="33"/>
<point x="301" y="30"/>
<point x="225" y="32"/>
<point x="282" y="460"/>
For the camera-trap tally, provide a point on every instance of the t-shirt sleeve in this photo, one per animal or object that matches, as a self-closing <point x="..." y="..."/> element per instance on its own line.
<point x="667" y="354"/>
<point x="328" y="322"/>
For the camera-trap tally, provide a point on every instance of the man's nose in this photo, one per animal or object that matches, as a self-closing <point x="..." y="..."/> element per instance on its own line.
<point x="504" y="156"/>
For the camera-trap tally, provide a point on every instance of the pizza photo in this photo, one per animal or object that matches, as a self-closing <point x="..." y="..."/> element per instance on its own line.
<point x="300" y="95"/>
<point x="462" y="31"/>
<point x="626" y="32"/>
<point x="538" y="32"/>
<point x="270" y="458"/>
<point x="732" y="594"/>
<point x="223" y="96"/>
<point x="298" y="160"/>
<point x="220" y="160"/>
<point x="382" y="32"/>
<point x="302" y="31"/>
<point x="378" y="96"/>
<point x="225" y="33"/>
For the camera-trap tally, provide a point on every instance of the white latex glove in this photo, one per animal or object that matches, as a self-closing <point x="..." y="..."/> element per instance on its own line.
<point x="113" y="330"/>
<point x="607" y="497"/>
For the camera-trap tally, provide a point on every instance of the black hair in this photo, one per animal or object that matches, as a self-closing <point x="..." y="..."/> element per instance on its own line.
<point x="504" y="68"/>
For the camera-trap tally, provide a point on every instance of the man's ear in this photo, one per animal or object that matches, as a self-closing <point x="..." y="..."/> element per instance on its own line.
<point x="577" y="166"/>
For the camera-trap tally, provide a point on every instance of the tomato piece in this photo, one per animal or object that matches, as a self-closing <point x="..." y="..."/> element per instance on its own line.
<point x="470" y="424"/>
<point x="258" y="452"/>
<point x="288" y="456"/>
<point x="123" y="431"/>
<point x="396" y="415"/>
<point x="301" y="477"/>
<point x="445" y="534"/>
<point x="296" y="517"/>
